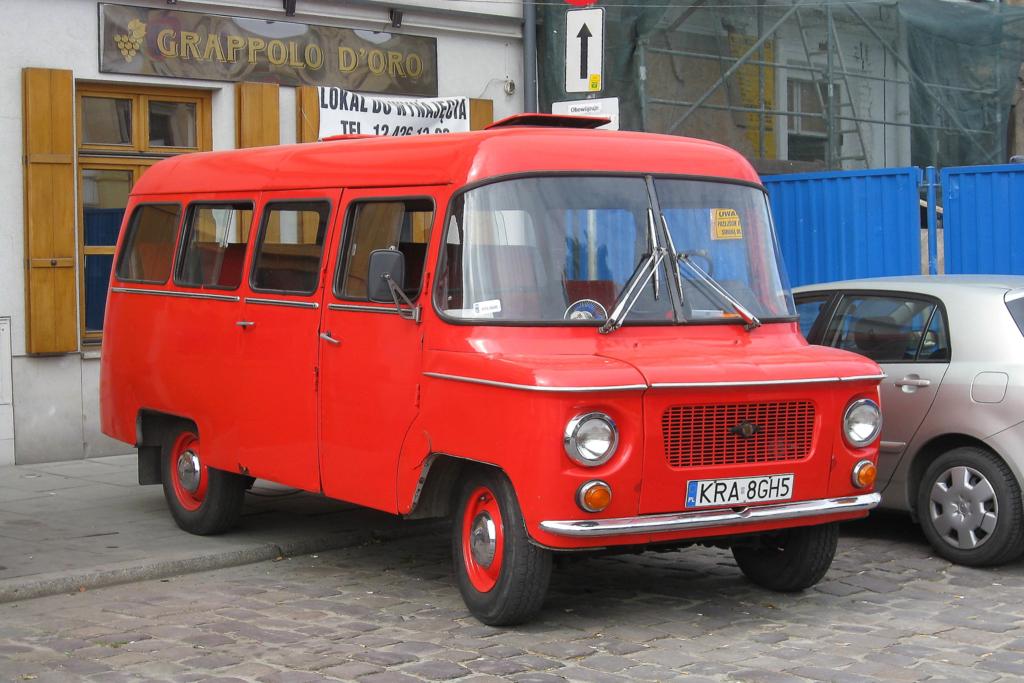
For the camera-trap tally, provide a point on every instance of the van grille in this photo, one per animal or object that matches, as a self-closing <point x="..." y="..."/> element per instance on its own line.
<point x="734" y="433"/>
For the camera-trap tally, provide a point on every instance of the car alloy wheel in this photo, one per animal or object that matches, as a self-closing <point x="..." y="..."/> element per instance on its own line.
<point x="963" y="507"/>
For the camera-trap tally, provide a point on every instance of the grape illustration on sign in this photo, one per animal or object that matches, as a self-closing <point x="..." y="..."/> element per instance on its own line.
<point x="584" y="50"/>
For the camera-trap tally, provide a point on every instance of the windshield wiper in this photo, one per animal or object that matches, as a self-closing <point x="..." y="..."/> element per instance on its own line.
<point x="633" y="289"/>
<point x="652" y="240"/>
<point x="750" y="321"/>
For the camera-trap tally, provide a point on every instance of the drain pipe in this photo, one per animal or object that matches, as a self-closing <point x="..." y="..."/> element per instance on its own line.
<point x="529" y="56"/>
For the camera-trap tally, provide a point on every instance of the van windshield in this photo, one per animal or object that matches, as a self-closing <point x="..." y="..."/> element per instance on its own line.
<point x="560" y="250"/>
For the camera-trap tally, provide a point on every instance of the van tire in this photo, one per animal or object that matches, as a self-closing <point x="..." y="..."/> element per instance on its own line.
<point x="215" y="504"/>
<point x="508" y="589"/>
<point x="1001" y="500"/>
<point x="790" y="560"/>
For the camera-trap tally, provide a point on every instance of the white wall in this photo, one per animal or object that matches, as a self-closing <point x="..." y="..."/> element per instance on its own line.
<point x="55" y="399"/>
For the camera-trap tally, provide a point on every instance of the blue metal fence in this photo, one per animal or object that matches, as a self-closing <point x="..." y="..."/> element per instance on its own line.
<point x="848" y="224"/>
<point x="983" y="219"/>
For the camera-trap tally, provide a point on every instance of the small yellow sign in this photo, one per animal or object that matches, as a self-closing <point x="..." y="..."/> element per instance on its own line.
<point x="595" y="82"/>
<point x="725" y="225"/>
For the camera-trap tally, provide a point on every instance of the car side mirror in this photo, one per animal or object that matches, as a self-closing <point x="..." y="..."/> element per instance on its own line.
<point x="385" y="264"/>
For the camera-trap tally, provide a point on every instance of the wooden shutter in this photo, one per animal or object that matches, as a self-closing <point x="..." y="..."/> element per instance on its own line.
<point x="258" y="118"/>
<point x="307" y="114"/>
<point x="50" y="305"/>
<point x="481" y="114"/>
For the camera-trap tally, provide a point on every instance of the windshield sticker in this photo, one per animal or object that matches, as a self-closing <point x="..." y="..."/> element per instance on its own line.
<point x="489" y="307"/>
<point x="725" y="225"/>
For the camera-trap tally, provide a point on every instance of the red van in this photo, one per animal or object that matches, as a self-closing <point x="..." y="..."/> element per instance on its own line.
<point x="566" y="339"/>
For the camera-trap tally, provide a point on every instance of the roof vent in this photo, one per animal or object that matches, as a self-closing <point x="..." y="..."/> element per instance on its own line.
<point x="550" y="121"/>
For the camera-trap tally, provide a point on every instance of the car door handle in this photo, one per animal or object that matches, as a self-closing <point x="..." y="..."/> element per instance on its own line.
<point x="245" y="323"/>
<point x="912" y="382"/>
<point x="326" y="336"/>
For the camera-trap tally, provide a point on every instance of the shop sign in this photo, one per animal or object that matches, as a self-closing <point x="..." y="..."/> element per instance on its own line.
<point x="343" y="112"/>
<point x="145" y="41"/>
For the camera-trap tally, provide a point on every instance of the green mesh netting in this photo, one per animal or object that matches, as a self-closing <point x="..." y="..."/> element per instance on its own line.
<point x="833" y="84"/>
<point x="975" y="49"/>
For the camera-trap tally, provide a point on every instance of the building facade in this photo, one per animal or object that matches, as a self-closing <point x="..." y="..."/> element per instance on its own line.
<point x="100" y="91"/>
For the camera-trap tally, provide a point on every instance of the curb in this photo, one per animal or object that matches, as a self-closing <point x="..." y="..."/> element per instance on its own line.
<point x="74" y="581"/>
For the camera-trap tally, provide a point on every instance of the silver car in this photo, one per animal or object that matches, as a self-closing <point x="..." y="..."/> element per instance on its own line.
<point x="952" y="451"/>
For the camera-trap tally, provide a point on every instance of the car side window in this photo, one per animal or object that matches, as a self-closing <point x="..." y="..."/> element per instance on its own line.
<point x="291" y="243"/>
<point x="402" y="224"/>
<point x="149" y="245"/>
<point x="889" y="328"/>
<point x="935" y="343"/>
<point x="809" y="309"/>
<point x="213" y="246"/>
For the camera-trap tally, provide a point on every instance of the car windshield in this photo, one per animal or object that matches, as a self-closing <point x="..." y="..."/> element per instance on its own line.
<point x="562" y="249"/>
<point x="726" y="230"/>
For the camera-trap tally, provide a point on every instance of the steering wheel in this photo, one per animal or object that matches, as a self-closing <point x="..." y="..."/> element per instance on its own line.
<point x="585" y="309"/>
<point x="703" y="255"/>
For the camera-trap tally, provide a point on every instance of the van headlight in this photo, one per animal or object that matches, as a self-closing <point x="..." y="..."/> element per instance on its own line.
<point x="591" y="439"/>
<point x="861" y="422"/>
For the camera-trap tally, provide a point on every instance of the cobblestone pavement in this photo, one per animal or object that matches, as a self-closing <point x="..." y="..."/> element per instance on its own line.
<point x="389" y="612"/>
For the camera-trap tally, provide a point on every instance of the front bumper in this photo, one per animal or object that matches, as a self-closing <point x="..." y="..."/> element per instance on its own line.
<point x="709" y="519"/>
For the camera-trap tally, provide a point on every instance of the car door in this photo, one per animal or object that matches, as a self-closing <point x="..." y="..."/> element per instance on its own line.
<point x="370" y="353"/>
<point x="907" y="335"/>
<point x="278" y="327"/>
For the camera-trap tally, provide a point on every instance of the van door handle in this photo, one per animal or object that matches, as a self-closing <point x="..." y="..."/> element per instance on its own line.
<point x="326" y="336"/>
<point x="245" y="323"/>
<point x="912" y="382"/>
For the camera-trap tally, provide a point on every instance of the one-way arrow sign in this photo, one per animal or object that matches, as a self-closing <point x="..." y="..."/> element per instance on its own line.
<point x="584" y="35"/>
<point x="584" y="50"/>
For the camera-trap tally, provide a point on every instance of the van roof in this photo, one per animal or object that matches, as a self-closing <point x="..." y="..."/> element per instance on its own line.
<point x="449" y="158"/>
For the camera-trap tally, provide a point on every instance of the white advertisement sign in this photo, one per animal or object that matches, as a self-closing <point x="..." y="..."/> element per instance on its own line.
<point x="607" y="107"/>
<point x="343" y="112"/>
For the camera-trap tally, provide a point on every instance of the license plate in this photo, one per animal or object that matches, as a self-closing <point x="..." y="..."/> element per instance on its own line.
<point x="733" y="492"/>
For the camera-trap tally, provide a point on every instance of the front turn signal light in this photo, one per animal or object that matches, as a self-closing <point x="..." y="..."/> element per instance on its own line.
<point x="594" y="496"/>
<point x="864" y="474"/>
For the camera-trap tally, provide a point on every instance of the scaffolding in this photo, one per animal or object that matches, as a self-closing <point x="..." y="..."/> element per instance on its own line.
<point x="838" y="84"/>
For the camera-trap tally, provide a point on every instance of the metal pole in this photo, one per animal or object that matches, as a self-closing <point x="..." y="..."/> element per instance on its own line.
<point x="814" y="69"/>
<point x="641" y="67"/>
<point x="529" y="56"/>
<point x="933" y="236"/>
<point x="805" y="115"/>
<point x="830" y="145"/>
<point x="735" y="67"/>
<point x="760" y="83"/>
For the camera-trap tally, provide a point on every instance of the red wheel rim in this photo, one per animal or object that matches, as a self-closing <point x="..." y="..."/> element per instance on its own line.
<point x="483" y="539"/>
<point x="186" y="463"/>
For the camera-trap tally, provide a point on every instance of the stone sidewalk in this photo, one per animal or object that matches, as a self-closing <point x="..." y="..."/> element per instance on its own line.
<point x="87" y="523"/>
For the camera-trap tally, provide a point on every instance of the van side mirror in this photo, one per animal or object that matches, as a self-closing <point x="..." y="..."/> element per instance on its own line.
<point x="384" y="264"/>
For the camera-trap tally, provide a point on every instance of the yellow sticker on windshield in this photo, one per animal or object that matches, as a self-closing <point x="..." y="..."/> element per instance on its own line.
<point x="725" y="225"/>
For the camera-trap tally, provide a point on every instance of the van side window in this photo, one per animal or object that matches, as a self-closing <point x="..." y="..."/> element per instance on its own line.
<point x="213" y="248"/>
<point x="290" y="246"/>
<point x="149" y="245"/>
<point x="399" y="224"/>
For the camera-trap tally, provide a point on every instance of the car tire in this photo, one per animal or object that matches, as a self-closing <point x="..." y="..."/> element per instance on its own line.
<point x="790" y="560"/>
<point x="969" y="507"/>
<point x="502" y="576"/>
<point x="202" y="500"/>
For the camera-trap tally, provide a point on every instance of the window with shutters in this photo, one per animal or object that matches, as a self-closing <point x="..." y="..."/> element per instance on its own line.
<point x="122" y="131"/>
